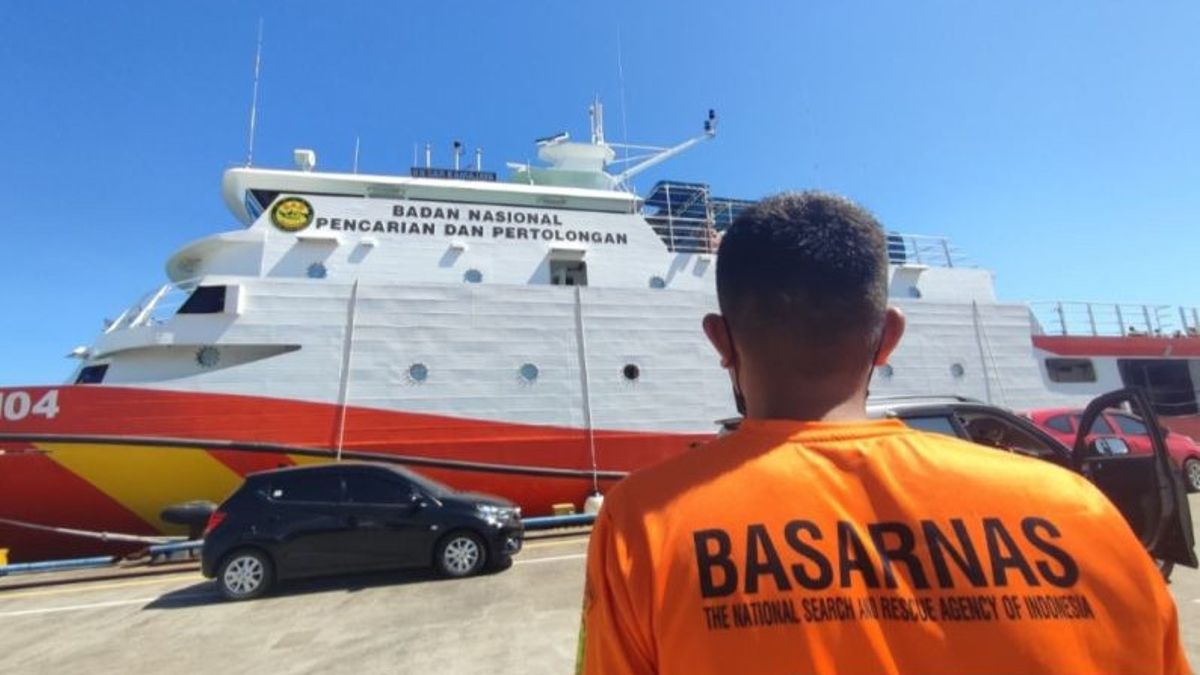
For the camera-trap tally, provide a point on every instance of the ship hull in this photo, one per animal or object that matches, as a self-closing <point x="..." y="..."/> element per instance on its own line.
<point x="111" y="459"/>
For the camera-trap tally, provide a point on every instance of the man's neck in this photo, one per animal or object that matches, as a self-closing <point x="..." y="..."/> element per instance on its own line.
<point x="798" y="402"/>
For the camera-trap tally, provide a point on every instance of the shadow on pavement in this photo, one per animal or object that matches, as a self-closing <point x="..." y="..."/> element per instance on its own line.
<point x="206" y="593"/>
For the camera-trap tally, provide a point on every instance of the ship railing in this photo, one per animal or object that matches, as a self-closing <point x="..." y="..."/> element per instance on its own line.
<point x="1114" y="319"/>
<point x="698" y="235"/>
<point x="919" y="249"/>
<point x="153" y="308"/>
<point x="687" y="217"/>
<point x="686" y="235"/>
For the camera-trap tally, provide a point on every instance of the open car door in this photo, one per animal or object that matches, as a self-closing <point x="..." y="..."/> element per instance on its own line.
<point x="1147" y="489"/>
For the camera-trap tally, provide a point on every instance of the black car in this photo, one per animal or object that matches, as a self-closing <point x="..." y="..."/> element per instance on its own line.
<point x="351" y="516"/>
<point x="1146" y="489"/>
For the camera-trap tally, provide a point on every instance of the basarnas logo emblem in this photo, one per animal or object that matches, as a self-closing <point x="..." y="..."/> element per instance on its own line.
<point x="292" y="214"/>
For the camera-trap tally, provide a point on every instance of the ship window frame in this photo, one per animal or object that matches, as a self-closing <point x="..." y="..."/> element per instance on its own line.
<point x="568" y="272"/>
<point x="1059" y="370"/>
<point x="86" y="374"/>
<point x="205" y="300"/>
<point x="529" y="372"/>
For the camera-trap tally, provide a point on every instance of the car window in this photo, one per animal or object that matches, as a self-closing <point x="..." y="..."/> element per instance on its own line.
<point x="424" y="483"/>
<point x="307" y="487"/>
<point x="1130" y="425"/>
<point x="368" y="489"/>
<point x="938" y="424"/>
<point x="1100" y="426"/>
<point x="999" y="432"/>
<point x="1061" y="423"/>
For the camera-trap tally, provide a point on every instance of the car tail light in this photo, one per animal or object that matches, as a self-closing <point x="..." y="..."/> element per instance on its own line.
<point x="214" y="520"/>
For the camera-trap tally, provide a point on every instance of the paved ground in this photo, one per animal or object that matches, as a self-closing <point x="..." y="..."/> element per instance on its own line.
<point x="523" y="620"/>
<point x="1185" y="586"/>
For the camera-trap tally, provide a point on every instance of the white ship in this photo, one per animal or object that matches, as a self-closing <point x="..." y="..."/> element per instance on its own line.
<point x="536" y="338"/>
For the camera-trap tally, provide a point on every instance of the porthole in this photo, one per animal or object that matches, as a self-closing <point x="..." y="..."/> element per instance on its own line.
<point x="317" y="271"/>
<point x="957" y="370"/>
<point x="528" y="372"/>
<point x="658" y="282"/>
<point x="418" y="372"/>
<point x="472" y="276"/>
<point x="886" y="370"/>
<point x="208" y="357"/>
<point x="631" y="372"/>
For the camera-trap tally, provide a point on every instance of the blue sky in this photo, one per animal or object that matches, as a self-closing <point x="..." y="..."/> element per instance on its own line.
<point x="1058" y="143"/>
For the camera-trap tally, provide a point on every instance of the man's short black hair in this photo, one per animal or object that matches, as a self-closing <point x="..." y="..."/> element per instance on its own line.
<point x="808" y="267"/>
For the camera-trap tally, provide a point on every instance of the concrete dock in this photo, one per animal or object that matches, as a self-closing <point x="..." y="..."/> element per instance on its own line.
<point x="168" y="619"/>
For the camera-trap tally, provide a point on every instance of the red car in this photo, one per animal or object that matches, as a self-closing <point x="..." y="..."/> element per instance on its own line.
<point x="1062" y="423"/>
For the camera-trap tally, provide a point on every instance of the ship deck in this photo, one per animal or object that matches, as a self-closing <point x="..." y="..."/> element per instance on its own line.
<point x="168" y="618"/>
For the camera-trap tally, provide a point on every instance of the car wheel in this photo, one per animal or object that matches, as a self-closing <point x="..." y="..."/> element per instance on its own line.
<point x="1191" y="474"/>
<point x="245" y="574"/>
<point x="460" y="554"/>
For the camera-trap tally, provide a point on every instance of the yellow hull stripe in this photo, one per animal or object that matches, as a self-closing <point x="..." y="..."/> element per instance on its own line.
<point x="144" y="479"/>
<point x="305" y="460"/>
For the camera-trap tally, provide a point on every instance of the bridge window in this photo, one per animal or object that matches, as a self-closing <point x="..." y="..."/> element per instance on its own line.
<point x="568" y="272"/>
<point x="92" y="374"/>
<point x="1070" y="370"/>
<point x="205" y="300"/>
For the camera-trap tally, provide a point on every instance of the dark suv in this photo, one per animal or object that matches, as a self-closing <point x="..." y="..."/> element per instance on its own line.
<point x="342" y="517"/>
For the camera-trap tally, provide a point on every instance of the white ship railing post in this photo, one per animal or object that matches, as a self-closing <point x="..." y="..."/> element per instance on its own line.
<point x="1120" y="319"/>
<point x="1092" y="319"/>
<point x="344" y="380"/>
<point x="117" y="322"/>
<point x="142" y="316"/>
<point x="946" y="250"/>
<point x="1062" y="317"/>
<point x="1146" y="316"/>
<point x="581" y="341"/>
<point x="670" y="219"/>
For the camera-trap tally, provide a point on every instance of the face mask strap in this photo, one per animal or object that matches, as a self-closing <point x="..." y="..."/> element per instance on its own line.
<point x="875" y="355"/>
<point x="738" y="399"/>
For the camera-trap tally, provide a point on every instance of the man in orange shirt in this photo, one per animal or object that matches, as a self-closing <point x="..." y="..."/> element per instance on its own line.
<point x="815" y="540"/>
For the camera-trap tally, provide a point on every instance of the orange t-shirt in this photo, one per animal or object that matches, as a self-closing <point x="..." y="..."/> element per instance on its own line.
<point x="792" y="547"/>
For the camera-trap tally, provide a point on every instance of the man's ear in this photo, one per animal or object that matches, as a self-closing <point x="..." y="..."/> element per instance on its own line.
<point x="893" y="330"/>
<point x="718" y="334"/>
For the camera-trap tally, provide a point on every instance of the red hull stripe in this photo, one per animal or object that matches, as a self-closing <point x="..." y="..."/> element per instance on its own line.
<point x="1150" y="347"/>
<point x="116" y="456"/>
<point x="247" y="458"/>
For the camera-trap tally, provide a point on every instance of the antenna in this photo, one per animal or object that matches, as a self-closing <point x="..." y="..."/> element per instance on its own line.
<point x="458" y="148"/>
<point x="621" y="82"/>
<point x="596" y="112"/>
<point x="254" y="98"/>
<point x="356" y="154"/>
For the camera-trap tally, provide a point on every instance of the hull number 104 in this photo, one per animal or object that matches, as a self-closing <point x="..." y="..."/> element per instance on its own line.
<point x="17" y="405"/>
